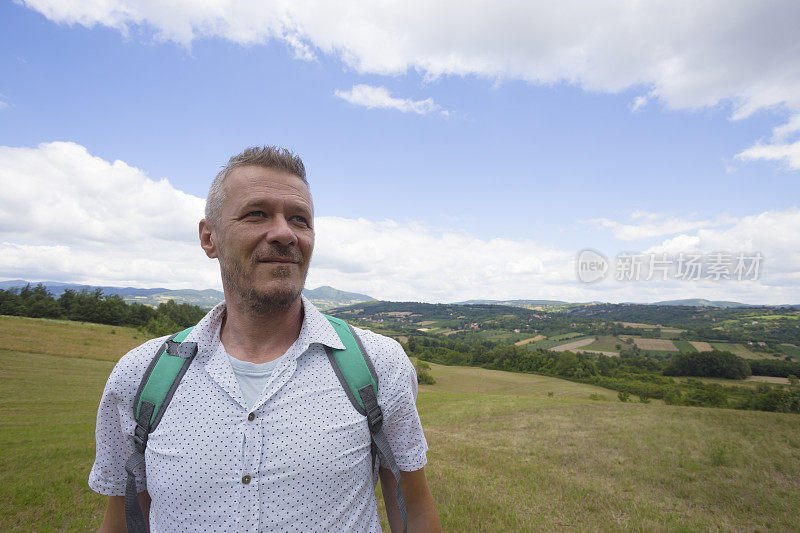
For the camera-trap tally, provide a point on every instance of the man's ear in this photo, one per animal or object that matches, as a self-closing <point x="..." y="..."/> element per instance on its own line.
<point x="207" y="237"/>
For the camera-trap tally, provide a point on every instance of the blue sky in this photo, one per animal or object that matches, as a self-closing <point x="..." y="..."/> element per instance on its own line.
<point x="528" y="161"/>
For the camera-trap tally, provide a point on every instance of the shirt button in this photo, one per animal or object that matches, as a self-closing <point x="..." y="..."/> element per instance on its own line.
<point x="251" y="416"/>
<point x="246" y="480"/>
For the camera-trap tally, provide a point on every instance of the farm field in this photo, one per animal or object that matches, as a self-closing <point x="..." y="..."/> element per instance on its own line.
<point x="751" y="381"/>
<point x="661" y="345"/>
<point x="555" y="340"/>
<point x="523" y="342"/>
<point x="638" y="325"/>
<point x="768" y="379"/>
<point x="685" y="346"/>
<point x="573" y="345"/>
<point x="605" y="343"/>
<point x="701" y="346"/>
<point x="791" y="350"/>
<point x="740" y="350"/>
<point x="670" y="333"/>
<point x="508" y="452"/>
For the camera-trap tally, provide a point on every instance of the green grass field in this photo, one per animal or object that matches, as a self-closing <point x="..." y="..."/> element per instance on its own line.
<point x="508" y="452"/>
<point x="684" y="346"/>
<point x="740" y="350"/>
<point x="606" y="343"/>
<point x="791" y="350"/>
<point x="670" y="333"/>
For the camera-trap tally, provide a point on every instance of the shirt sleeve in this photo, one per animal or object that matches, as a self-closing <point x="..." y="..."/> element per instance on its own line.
<point x="397" y="396"/>
<point x="115" y="424"/>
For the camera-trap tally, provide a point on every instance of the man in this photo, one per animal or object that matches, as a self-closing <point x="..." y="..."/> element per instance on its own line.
<point x="260" y="434"/>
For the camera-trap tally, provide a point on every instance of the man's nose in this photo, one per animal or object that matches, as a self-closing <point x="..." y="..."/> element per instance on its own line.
<point x="281" y="232"/>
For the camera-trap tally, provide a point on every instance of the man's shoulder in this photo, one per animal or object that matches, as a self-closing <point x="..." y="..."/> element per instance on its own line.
<point x="386" y="354"/>
<point x="378" y="342"/>
<point x="131" y="367"/>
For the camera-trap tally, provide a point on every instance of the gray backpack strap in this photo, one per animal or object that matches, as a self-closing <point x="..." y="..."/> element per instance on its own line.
<point x="158" y="384"/>
<point x="384" y="451"/>
<point x="134" y="518"/>
<point x="356" y="373"/>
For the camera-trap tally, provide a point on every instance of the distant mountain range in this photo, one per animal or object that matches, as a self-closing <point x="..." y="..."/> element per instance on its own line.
<point x="324" y="297"/>
<point x="517" y="303"/>
<point x="699" y="302"/>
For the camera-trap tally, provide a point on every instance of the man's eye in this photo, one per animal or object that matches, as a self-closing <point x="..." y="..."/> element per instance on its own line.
<point x="301" y="219"/>
<point x="256" y="214"/>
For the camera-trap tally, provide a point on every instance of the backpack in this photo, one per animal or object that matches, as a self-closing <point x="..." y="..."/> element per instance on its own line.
<point x="352" y="366"/>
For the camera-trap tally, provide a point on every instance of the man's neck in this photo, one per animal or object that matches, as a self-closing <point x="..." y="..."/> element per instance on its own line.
<point x="260" y="338"/>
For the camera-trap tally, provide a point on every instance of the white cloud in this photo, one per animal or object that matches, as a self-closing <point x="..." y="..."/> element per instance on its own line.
<point x="413" y="261"/>
<point x="774" y="233"/>
<point x="638" y="103"/>
<point x="683" y="53"/>
<point x="74" y="216"/>
<point x="786" y="152"/>
<point x="66" y="215"/>
<point x="60" y="193"/>
<point x="646" y="225"/>
<point x="780" y="148"/>
<point x="380" y="97"/>
<point x="785" y="130"/>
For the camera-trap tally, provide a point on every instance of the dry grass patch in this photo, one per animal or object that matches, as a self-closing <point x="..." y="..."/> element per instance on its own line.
<point x="663" y="345"/>
<point x="768" y="379"/>
<point x="701" y="346"/>
<point x="528" y="341"/>
<point x="573" y="345"/>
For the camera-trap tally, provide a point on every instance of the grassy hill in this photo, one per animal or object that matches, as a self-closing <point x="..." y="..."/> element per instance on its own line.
<point x="508" y="452"/>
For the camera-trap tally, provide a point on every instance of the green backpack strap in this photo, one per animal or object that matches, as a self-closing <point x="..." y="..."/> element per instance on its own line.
<point x="354" y="369"/>
<point x="156" y="389"/>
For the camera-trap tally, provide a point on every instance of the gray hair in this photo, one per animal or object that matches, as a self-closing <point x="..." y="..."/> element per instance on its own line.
<point x="272" y="157"/>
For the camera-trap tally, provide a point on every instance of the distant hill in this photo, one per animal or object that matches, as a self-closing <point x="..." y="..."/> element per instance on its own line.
<point x="326" y="297"/>
<point x="516" y="303"/>
<point x="206" y="298"/>
<point x="699" y="302"/>
<point x="323" y="297"/>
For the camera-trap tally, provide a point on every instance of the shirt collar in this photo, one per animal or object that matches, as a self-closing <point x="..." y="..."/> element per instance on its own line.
<point x="315" y="329"/>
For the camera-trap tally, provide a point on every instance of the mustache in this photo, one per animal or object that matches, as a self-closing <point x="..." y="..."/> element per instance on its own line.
<point x="278" y="252"/>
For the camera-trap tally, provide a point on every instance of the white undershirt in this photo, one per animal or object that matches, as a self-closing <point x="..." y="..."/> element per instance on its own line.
<point x="252" y="377"/>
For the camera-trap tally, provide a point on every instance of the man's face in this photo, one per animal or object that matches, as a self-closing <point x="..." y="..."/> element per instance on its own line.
<point x="265" y="237"/>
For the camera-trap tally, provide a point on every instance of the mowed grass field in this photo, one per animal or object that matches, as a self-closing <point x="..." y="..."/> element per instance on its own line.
<point x="740" y="350"/>
<point x="508" y="452"/>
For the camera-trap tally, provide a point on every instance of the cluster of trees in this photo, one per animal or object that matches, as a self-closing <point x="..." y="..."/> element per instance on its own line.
<point x="94" y="306"/>
<point x="775" y="367"/>
<point x="714" y="364"/>
<point x="423" y="376"/>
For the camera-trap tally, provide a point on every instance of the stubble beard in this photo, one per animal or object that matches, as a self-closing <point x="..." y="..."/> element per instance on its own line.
<point x="239" y="280"/>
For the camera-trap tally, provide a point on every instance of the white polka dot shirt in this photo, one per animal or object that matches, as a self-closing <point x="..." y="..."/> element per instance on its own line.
<point x="298" y="460"/>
